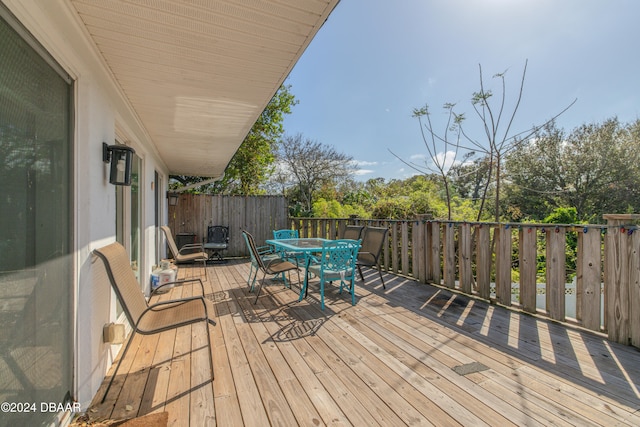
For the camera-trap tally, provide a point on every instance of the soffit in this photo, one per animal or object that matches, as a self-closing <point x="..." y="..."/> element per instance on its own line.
<point x="198" y="74"/>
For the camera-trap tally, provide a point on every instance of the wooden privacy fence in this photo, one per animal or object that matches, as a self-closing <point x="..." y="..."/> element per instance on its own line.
<point x="523" y="266"/>
<point x="259" y="215"/>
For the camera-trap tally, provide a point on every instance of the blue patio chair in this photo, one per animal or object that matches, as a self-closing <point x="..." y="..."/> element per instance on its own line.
<point x="264" y="252"/>
<point x="289" y="234"/>
<point x="285" y="234"/>
<point x="336" y="262"/>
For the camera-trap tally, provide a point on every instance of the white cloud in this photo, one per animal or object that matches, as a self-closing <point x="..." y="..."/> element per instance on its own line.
<point x="363" y="172"/>
<point x="365" y="163"/>
<point x="445" y="159"/>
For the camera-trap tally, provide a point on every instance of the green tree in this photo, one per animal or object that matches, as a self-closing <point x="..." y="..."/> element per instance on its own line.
<point x="419" y="194"/>
<point x="593" y="169"/>
<point x="253" y="163"/>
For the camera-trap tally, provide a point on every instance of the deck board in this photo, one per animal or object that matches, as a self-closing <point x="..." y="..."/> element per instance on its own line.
<point x="412" y="354"/>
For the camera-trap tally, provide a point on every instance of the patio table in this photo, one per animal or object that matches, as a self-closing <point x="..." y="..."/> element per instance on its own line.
<point x="307" y="246"/>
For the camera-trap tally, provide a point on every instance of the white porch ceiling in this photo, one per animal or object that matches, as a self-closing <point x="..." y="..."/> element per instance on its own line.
<point x="199" y="73"/>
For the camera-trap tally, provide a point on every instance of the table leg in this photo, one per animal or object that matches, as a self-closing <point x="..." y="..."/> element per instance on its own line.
<point x="304" y="291"/>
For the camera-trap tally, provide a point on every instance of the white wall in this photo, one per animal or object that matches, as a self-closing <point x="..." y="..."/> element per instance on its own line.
<point x="99" y="109"/>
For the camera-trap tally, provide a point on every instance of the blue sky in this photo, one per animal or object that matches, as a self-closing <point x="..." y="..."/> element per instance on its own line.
<point x="374" y="61"/>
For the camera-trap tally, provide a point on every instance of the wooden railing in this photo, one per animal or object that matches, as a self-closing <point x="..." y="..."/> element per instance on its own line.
<point x="521" y="266"/>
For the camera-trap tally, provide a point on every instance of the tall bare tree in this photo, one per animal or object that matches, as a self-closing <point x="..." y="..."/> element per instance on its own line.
<point x="496" y="138"/>
<point x="309" y="165"/>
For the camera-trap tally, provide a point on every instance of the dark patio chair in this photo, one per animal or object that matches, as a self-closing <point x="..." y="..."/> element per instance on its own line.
<point x="369" y="254"/>
<point x="264" y="252"/>
<point x="274" y="267"/>
<point x="217" y="241"/>
<point x="148" y="319"/>
<point x="352" y="232"/>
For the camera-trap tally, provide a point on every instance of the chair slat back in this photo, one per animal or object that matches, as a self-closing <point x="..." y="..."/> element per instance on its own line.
<point x="123" y="281"/>
<point x="373" y="240"/>
<point x="169" y="236"/>
<point x="352" y="232"/>
<point x="340" y="255"/>
<point x="217" y="234"/>
<point x="285" y="234"/>
<point x="255" y="256"/>
<point x="251" y="254"/>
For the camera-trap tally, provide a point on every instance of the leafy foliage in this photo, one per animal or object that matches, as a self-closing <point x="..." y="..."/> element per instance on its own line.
<point x="593" y="169"/>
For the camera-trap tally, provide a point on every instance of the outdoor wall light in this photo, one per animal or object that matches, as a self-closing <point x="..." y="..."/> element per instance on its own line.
<point x="120" y="158"/>
<point x="173" y="199"/>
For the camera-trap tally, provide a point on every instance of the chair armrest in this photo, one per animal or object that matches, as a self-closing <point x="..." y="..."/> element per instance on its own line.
<point x="367" y="258"/>
<point x="313" y="259"/>
<point x="277" y="261"/>
<point x="181" y="281"/>
<point x="175" y="301"/>
<point x="265" y="250"/>
<point x="191" y="247"/>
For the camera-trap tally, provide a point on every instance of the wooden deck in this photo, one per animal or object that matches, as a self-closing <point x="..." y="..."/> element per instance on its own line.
<point x="413" y="354"/>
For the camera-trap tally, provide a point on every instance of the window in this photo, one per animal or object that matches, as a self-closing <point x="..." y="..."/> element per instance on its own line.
<point x="36" y="284"/>
<point x="129" y="216"/>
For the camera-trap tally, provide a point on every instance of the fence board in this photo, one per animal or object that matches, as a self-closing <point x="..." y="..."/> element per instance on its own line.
<point x="464" y="257"/>
<point x="420" y="258"/>
<point x="588" y="280"/>
<point x="428" y="264"/>
<point x="483" y="261"/>
<point x="435" y="252"/>
<point x="617" y="276"/>
<point x="394" y="247"/>
<point x="415" y="268"/>
<point x="503" y="264"/>
<point x="556" y="272"/>
<point x="634" y="289"/>
<point x="449" y="250"/>
<point x="528" y="264"/>
<point x="404" y="243"/>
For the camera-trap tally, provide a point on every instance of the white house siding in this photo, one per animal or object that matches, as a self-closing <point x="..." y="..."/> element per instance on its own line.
<point x="99" y="110"/>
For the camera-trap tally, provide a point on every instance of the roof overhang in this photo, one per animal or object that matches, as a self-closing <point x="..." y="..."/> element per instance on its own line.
<point x="199" y="74"/>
